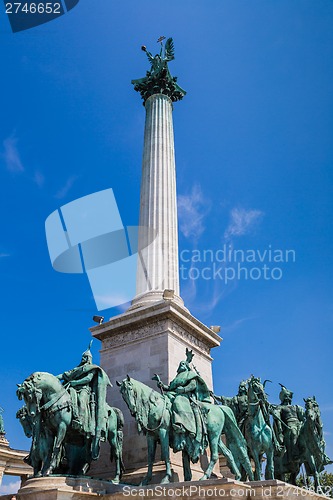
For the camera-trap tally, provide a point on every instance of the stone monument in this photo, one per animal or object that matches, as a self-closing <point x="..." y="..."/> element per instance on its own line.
<point x="153" y="334"/>
<point x="12" y="461"/>
<point x="147" y="343"/>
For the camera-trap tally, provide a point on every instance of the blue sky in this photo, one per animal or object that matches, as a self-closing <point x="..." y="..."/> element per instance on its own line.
<point x="254" y="158"/>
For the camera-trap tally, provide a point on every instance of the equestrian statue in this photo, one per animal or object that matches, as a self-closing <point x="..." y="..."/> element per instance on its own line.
<point x="67" y="421"/>
<point x="287" y="435"/>
<point x="183" y="417"/>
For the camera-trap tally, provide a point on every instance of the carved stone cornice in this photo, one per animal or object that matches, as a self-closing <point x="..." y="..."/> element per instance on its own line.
<point x="151" y="321"/>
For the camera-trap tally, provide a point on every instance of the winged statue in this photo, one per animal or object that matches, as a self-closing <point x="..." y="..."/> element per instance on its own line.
<point x="158" y="79"/>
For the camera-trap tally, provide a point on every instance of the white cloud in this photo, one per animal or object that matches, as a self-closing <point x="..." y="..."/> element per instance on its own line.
<point x="7" y="489"/>
<point x="39" y="179"/>
<point x="63" y="191"/>
<point x="242" y="222"/>
<point x="11" y="155"/>
<point x="192" y="210"/>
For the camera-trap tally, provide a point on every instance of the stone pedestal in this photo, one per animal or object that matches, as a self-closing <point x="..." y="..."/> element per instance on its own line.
<point x="11" y="461"/>
<point x="140" y="343"/>
<point x="68" y="488"/>
<point x="65" y="488"/>
<point x="195" y="490"/>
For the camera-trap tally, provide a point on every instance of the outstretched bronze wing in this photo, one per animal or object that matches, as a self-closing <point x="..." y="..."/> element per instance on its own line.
<point x="169" y="50"/>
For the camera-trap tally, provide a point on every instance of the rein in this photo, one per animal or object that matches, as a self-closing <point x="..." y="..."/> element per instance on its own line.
<point x="53" y="401"/>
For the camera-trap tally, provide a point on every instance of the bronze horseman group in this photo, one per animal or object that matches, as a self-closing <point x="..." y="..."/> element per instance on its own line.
<point x="68" y="420"/>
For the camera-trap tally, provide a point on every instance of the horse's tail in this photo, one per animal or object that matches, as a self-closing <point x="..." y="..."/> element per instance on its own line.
<point x="231" y="429"/>
<point x="120" y="417"/>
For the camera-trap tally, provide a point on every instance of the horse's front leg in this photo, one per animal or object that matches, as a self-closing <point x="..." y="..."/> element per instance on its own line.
<point x="55" y="457"/>
<point x="151" y="442"/>
<point x="257" y="462"/>
<point x="165" y="452"/>
<point x="186" y="466"/>
<point x="269" y="470"/>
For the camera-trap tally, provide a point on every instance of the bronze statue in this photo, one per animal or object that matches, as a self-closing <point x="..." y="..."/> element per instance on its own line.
<point x="184" y="392"/>
<point x="159" y="80"/>
<point x="288" y="421"/>
<point x="300" y="431"/>
<point x="311" y="442"/>
<point x="258" y="432"/>
<point x="87" y="384"/>
<point x="184" y="418"/>
<point x="75" y="415"/>
<point x="294" y="436"/>
<point x="238" y="404"/>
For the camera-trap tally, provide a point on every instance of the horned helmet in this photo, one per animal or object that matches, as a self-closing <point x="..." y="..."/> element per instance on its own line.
<point x="86" y="355"/>
<point x="285" y="394"/>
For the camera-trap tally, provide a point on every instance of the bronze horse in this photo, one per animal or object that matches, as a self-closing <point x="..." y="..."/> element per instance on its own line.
<point x="152" y="412"/>
<point x="49" y="408"/>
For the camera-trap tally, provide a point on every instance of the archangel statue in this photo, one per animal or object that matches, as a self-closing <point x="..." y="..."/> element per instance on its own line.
<point x="159" y="80"/>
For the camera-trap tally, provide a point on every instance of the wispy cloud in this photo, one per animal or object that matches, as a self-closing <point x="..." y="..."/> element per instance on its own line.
<point x="210" y="295"/>
<point x="11" y="155"/>
<point x="63" y="191"/>
<point x="7" y="489"/>
<point x="39" y="179"/>
<point x="242" y="222"/>
<point x="192" y="210"/>
<point x="236" y="323"/>
<point x="4" y="255"/>
<point x="326" y="408"/>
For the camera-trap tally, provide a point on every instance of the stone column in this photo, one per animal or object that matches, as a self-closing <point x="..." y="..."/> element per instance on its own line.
<point x="158" y="267"/>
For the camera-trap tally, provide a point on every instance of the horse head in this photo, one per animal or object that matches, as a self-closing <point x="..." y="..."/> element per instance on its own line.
<point x="257" y="387"/>
<point x="25" y="421"/>
<point x="30" y="394"/>
<point x="129" y="394"/>
<point x="311" y="408"/>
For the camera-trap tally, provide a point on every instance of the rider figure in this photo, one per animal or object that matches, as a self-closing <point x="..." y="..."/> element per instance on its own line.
<point x="292" y="416"/>
<point x="238" y="404"/>
<point x="186" y="391"/>
<point x="87" y="385"/>
<point x="241" y="405"/>
<point x="312" y="405"/>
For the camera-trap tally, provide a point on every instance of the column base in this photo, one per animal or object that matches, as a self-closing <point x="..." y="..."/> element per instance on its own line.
<point x="153" y="297"/>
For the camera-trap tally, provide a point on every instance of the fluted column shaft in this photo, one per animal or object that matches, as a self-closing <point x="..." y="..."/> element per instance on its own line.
<point x="158" y="267"/>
